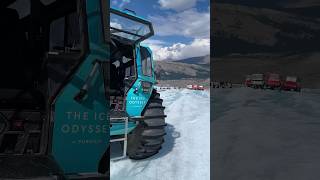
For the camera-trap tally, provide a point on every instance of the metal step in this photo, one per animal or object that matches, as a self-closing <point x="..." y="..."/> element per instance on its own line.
<point x="117" y="115"/>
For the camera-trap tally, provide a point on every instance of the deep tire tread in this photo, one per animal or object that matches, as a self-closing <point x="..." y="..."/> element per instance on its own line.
<point x="153" y="142"/>
<point x="147" y="138"/>
<point x="155" y="122"/>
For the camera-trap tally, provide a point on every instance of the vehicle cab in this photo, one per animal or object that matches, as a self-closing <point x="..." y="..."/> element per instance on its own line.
<point x="258" y="80"/>
<point x="248" y="81"/>
<point x="292" y="83"/>
<point x="273" y="80"/>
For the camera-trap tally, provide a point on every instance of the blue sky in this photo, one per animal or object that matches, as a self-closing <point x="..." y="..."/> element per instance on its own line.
<point x="182" y="27"/>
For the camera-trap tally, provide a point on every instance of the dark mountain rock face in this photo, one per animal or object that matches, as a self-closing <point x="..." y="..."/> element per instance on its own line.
<point x="191" y="68"/>
<point x="266" y="36"/>
<point x="274" y="4"/>
<point x="196" y="60"/>
<point x="243" y="29"/>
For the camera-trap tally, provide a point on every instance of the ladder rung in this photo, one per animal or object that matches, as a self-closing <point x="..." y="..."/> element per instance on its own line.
<point x="124" y="139"/>
<point x="137" y="117"/>
<point x="115" y="118"/>
<point x="118" y="140"/>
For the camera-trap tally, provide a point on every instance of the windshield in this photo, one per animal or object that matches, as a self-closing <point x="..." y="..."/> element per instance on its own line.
<point x="291" y="79"/>
<point x="257" y="76"/>
<point x="128" y="27"/>
<point x="274" y="76"/>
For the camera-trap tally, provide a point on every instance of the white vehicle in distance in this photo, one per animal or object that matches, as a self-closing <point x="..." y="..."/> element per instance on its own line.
<point x="257" y="81"/>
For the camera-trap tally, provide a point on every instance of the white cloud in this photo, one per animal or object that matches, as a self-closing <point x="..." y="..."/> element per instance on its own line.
<point x="120" y="3"/>
<point x="188" y="23"/>
<point x="115" y="25"/>
<point x="177" y="51"/>
<point x="123" y="3"/>
<point x="154" y="42"/>
<point x="177" y="5"/>
<point x="114" y="2"/>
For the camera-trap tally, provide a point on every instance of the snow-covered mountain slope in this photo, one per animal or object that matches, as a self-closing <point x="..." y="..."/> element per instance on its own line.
<point x="185" y="155"/>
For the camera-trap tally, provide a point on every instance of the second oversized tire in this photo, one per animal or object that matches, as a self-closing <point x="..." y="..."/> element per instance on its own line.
<point x="148" y="136"/>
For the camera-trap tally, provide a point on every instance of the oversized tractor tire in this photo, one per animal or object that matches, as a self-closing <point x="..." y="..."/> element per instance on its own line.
<point x="147" y="138"/>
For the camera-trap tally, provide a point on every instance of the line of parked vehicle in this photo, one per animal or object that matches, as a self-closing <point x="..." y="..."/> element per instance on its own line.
<point x="222" y="84"/>
<point x="273" y="81"/>
<point x="195" y="87"/>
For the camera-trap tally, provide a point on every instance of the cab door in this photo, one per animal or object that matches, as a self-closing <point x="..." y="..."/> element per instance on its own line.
<point x="140" y="92"/>
<point x="79" y="120"/>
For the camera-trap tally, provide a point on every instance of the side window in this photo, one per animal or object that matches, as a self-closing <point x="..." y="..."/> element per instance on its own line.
<point x="146" y="62"/>
<point x="57" y="34"/>
<point x="130" y="71"/>
<point x="65" y="34"/>
<point x="65" y="48"/>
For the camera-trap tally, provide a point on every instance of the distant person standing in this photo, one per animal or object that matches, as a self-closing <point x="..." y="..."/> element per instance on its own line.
<point x="221" y="84"/>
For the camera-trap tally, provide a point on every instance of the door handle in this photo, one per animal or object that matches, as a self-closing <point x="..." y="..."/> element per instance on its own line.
<point x="84" y="89"/>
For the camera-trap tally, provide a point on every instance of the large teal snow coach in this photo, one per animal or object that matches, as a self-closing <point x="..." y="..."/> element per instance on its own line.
<point x="59" y="72"/>
<point x="53" y="103"/>
<point x="137" y="118"/>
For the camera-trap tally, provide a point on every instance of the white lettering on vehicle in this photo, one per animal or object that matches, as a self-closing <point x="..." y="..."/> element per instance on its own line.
<point x="79" y="127"/>
<point x="137" y="101"/>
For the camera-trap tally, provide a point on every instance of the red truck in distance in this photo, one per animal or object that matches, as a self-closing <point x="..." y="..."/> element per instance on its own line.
<point x="248" y="81"/>
<point x="291" y="83"/>
<point x="195" y="87"/>
<point x="273" y="81"/>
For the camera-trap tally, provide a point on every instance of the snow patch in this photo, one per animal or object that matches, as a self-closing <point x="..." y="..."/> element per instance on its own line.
<point x="185" y="155"/>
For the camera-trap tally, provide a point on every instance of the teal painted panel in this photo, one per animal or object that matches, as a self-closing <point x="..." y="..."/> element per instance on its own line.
<point x="136" y="98"/>
<point x="81" y="130"/>
<point x="94" y="21"/>
<point x="118" y="128"/>
<point x="136" y="101"/>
